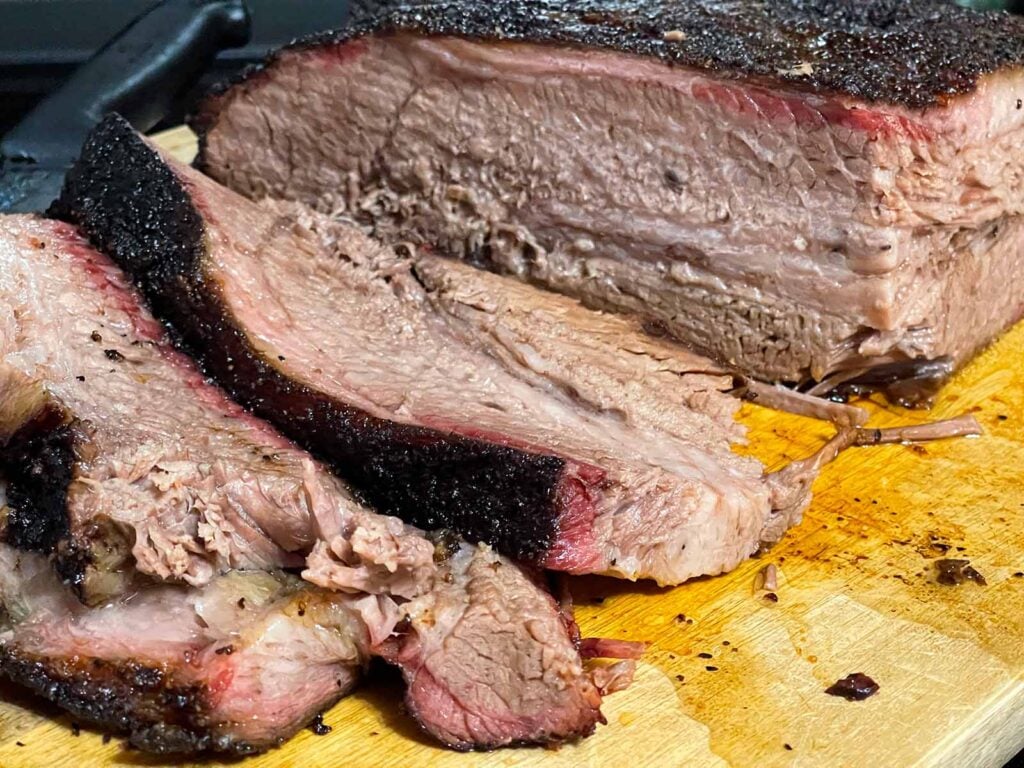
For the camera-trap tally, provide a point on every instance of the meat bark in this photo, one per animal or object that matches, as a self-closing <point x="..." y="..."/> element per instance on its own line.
<point x="120" y="457"/>
<point x="798" y="189"/>
<point x="439" y="409"/>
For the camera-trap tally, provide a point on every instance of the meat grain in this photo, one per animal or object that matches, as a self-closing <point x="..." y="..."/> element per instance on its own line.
<point x="841" y="199"/>
<point x="488" y="663"/>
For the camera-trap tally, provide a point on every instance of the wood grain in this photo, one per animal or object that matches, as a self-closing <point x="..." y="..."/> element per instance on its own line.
<point x="857" y="593"/>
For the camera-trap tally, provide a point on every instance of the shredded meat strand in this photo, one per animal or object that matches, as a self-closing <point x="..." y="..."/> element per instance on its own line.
<point x="788" y="400"/>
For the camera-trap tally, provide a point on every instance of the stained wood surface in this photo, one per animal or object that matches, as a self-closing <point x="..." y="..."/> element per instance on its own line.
<point x="857" y="593"/>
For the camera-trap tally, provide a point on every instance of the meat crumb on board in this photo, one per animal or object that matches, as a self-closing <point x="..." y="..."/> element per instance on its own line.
<point x="855" y="687"/>
<point x="955" y="572"/>
<point x="319" y="727"/>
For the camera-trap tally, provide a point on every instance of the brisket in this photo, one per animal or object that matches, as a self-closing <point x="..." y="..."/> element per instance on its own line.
<point x="489" y="662"/>
<point x="236" y="666"/>
<point x="120" y="456"/>
<point x="242" y="663"/>
<point x="448" y="397"/>
<point x="234" y="662"/>
<point x="802" y="190"/>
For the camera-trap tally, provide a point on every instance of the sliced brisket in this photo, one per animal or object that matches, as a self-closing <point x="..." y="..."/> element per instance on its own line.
<point x="798" y="188"/>
<point x="242" y="663"/>
<point x="238" y="665"/>
<point x="234" y="662"/>
<point x="120" y="456"/>
<point x="489" y="662"/>
<point x="450" y="398"/>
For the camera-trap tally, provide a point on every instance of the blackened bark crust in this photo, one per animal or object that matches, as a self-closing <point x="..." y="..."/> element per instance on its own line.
<point x="37" y="465"/>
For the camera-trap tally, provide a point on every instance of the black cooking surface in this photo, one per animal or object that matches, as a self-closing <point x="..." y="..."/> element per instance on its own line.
<point x="42" y="41"/>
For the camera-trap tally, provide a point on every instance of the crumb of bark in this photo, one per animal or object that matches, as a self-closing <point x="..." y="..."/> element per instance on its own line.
<point x="955" y="572"/>
<point x="319" y="727"/>
<point x="855" y="687"/>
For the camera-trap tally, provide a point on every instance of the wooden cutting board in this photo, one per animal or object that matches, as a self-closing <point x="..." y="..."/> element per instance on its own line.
<point x="857" y="593"/>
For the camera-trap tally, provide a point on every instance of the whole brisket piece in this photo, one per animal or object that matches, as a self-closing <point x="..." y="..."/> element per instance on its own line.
<point x="121" y="457"/>
<point x="559" y="435"/>
<point x="236" y="666"/>
<point x="804" y="190"/>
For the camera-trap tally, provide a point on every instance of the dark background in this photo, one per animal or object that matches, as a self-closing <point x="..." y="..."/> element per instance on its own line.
<point x="41" y="41"/>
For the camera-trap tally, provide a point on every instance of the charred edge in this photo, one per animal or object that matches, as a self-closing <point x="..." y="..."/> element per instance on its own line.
<point x="127" y="698"/>
<point x="37" y="464"/>
<point x="914" y="53"/>
<point x="72" y="562"/>
<point x="909" y="383"/>
<point x="134" y="208"/>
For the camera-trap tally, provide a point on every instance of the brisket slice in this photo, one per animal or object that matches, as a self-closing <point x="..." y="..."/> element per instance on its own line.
<point x="489" y="662"/>
<point x="352" y="353"/>
<point x="242" y="663"/>
<point x="120" y="456"/>
<point x="236" y="666"/>
<point x="796" y="210"/>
